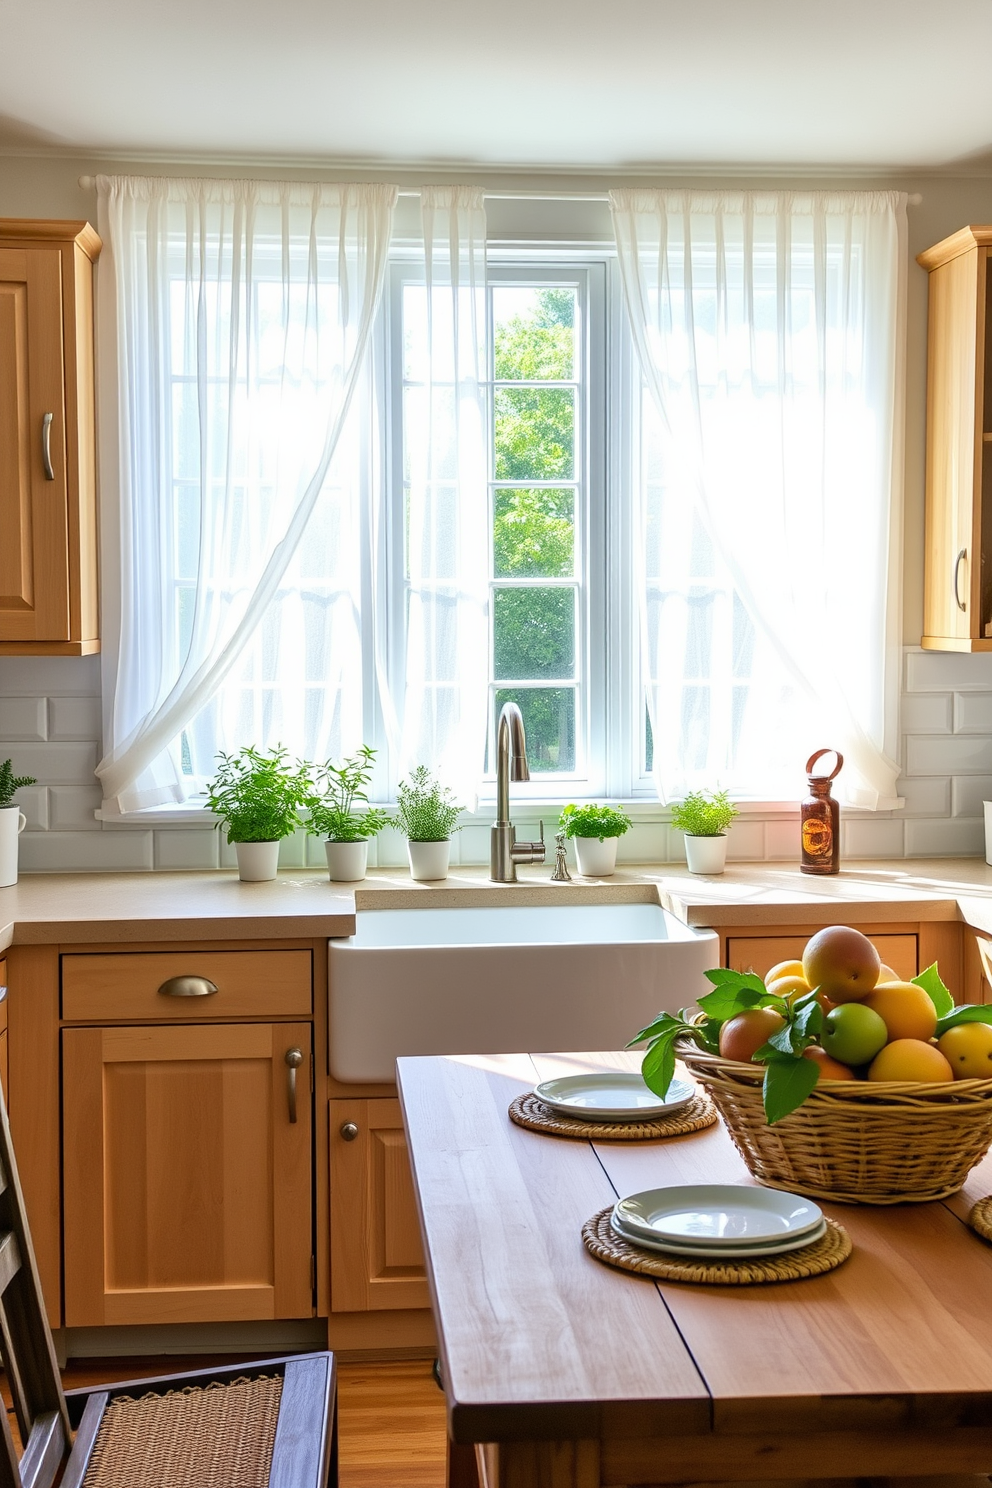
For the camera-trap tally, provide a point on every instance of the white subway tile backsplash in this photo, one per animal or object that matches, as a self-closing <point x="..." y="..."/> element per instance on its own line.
<point x="955" y="754"/>
<point x="83" y="852"/>
<point x="189" y="850"/>
<point x="49" y="676"/>
<point x="925" y="795"/>
<point x="948" y="671"/>
<point x="864" y="837"/>
<point x="968" y="793"/>
<point x="927" y="713"/>
<point x="71" y="808"/>
<point x="23" y="718"/>
<point x="957" y="838"/>
<point x="746" y="841"/>
<point x="74" y="718"/>
<point x="55" y="764"/>
<point x="33" y="801"/>
<point x="782" y="838"/>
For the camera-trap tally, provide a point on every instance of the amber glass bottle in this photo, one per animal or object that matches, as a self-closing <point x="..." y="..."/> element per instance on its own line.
<point x="819" y="816"/>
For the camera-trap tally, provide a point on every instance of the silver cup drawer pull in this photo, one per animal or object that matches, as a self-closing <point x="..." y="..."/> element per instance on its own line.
<point x="187" y="986"/>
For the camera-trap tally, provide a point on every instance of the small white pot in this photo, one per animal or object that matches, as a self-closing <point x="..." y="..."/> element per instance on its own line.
<point x="346" y="861"/>
<point x="428" y="860"/>
<point x="12" y="824"/>
<point x="596" y="859"/>
<point x="706" y="854"/>
<point x="257" y="861"/>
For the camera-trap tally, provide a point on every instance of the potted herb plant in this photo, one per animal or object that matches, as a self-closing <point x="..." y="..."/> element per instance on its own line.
<point x="332" y="804"/>
<point x="704" y="817"/>
<point x="258" y="798"/>
<point x="427" y="812"/>
<point x="595" y="831"/>
<point x="12" y="822"/>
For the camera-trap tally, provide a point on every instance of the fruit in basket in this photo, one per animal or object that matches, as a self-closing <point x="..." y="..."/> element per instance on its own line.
<point x="742" y="1036"/>
<point x="784" y="969"/>
<point x="905" y="1009"/>
<point x="910" y="1059"/>
<point x="789" y="987"/>
<point x="968" y="1048"/>
<point x="830" y="1069"/>
<point x="853" y="1033"/>
<point x="842" y="962"/>
<point x="886" y="974"/>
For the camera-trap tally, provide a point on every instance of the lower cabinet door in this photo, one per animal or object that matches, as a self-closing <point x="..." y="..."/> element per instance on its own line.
<point x="187" y="1185"/>
<point x="377" y="1260"/>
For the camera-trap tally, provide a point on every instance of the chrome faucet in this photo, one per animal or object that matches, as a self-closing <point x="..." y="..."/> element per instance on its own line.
<point x="505" y="852"/>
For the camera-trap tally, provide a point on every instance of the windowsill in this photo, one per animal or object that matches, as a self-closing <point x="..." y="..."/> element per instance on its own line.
<point x="187" y="814"/>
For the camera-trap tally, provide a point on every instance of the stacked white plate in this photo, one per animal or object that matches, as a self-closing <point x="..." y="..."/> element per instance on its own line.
<point x="718" y="1221"/>
<point x="612" y="1097"/>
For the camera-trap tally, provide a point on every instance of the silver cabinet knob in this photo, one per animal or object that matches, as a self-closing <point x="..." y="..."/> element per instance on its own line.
<point x="349" y="1131"/>
<point x="294" y="1058"/>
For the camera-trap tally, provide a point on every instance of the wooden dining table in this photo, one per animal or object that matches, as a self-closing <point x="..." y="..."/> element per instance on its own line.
<point x="563" y="1372"/>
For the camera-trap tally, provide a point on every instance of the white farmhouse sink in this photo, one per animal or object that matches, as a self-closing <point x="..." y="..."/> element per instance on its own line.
<point x="504" y="979"/>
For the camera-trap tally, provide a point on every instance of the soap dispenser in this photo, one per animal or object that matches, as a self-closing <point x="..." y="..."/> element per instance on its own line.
<point x="819" y="817"/>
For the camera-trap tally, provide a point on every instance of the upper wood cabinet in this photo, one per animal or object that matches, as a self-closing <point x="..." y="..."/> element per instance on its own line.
<point x="957" y="606"/>
<point x="48" y="565"/>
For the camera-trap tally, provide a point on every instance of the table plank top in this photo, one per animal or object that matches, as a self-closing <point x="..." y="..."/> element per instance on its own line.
<point x="538" y="1338"/>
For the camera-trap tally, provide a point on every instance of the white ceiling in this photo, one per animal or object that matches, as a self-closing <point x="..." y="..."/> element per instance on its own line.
<point x="612" y="83"/>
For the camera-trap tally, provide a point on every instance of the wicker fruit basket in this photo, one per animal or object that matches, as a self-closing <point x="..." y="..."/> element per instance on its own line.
<point x="850" y="1141"/>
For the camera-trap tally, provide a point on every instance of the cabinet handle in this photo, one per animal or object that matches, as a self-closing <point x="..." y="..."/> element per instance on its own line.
<point x="957" y="569"/>
<point x="349" y="1131"/>
<point x="187" y="986"/>
<point x="294" y="1058"/>
<point x="46" y="445"/>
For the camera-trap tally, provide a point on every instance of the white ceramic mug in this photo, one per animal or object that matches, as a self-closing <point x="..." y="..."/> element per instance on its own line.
<point x="12" y="824"/>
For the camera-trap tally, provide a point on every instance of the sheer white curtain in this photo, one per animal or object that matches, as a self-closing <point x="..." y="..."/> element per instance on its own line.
<point x="234" y="320"/>
<point x="769" y="332"/>
<point x="440" y="707"/>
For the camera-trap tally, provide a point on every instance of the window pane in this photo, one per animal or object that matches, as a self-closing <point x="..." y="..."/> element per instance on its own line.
<point x="534" y="433"/>
<point x="534" y="633"/>
<point x="549" y="723"/>
<point x="534" y="534"/>
<point x="534" y="334"/>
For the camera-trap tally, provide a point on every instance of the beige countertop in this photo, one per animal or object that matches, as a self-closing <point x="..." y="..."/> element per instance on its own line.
<point x="91" y="908"/>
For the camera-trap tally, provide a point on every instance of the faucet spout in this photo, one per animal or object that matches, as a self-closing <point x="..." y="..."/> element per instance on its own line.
<point x="511" y="764"/>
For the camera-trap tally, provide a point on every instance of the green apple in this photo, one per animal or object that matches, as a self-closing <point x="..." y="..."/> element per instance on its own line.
<point x="853" y="1033"/>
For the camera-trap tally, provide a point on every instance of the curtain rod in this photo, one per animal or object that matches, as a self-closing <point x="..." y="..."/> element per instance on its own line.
<point x="88" y="182"/>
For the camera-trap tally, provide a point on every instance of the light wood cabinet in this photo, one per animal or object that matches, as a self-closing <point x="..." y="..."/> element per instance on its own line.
<point x="377" y="1260"/>
<point x="908" y="948"/>
<point x="957" y="605"/>
<point x="3" y="1028"/>
<point x="48" y="576"/>
<point x="186" y="1184"/>
<point x="761" y="952"/>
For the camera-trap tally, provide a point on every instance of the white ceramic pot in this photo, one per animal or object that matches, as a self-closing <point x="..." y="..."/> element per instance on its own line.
<point x="428" y="860"/>
<point x="257" y="861"/>
<point x="12" y="824"/>
<point x="706" y="854"/>
<point x="596" y="859"/>
<point x="347" y="861"/>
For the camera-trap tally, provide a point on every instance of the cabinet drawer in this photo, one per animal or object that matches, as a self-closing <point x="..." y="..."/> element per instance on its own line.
<point x="270" y="984"/>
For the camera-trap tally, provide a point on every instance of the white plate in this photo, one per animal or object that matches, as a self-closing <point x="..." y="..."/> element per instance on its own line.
<point x="612" y="1097"/>
<point x="717" y="1214"/>
<point x="724" y="1252"/>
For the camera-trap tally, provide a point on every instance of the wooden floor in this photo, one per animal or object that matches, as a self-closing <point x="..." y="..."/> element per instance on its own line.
<point x="390" y="1416"/>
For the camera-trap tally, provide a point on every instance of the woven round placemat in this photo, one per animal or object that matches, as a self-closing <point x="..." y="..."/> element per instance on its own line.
<point x="825" y="1254"/>
<point x="980" y="1218"/>
<point x="529" y="1111"/>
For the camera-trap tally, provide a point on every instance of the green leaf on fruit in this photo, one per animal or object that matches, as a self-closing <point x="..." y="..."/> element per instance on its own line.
<point x="969" y="1013"/>
<point x="722" y="976"/>
<point x="727" y="1001"/>
<point x="658" y="1065"/>
<point x="808" y="1019"/>
<point x="938" y="994"/>
<point x="787" y="1083"/>
<point x="663" y="1022"/>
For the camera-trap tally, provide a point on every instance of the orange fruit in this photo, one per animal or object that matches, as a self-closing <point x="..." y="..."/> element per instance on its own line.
<point x="842" y="962"/>
<point x="906" y="1010"/>
<point x="910" y="1059"/>
<point x="830" y="1069"/>
<point x="969" y="1048"/>
<point x="886" y="974"/>
<point x="789" y="987"/>
<point x="783" y="969"/>
<point x="742" y="1036"/>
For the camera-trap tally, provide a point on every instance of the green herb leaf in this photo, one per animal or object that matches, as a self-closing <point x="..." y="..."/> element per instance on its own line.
<point x="784" y="1041"/>
<point x="808" y="1020"/>
<point x="788" y="1081"/>
<point x="658" y="1064"/>
<point x="932" y="985"/>
<point x="969" y="1013"/>
<point x="663" y="1022"/>
<point x="725" y="976"/>
<point x="727" y="1001"/>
